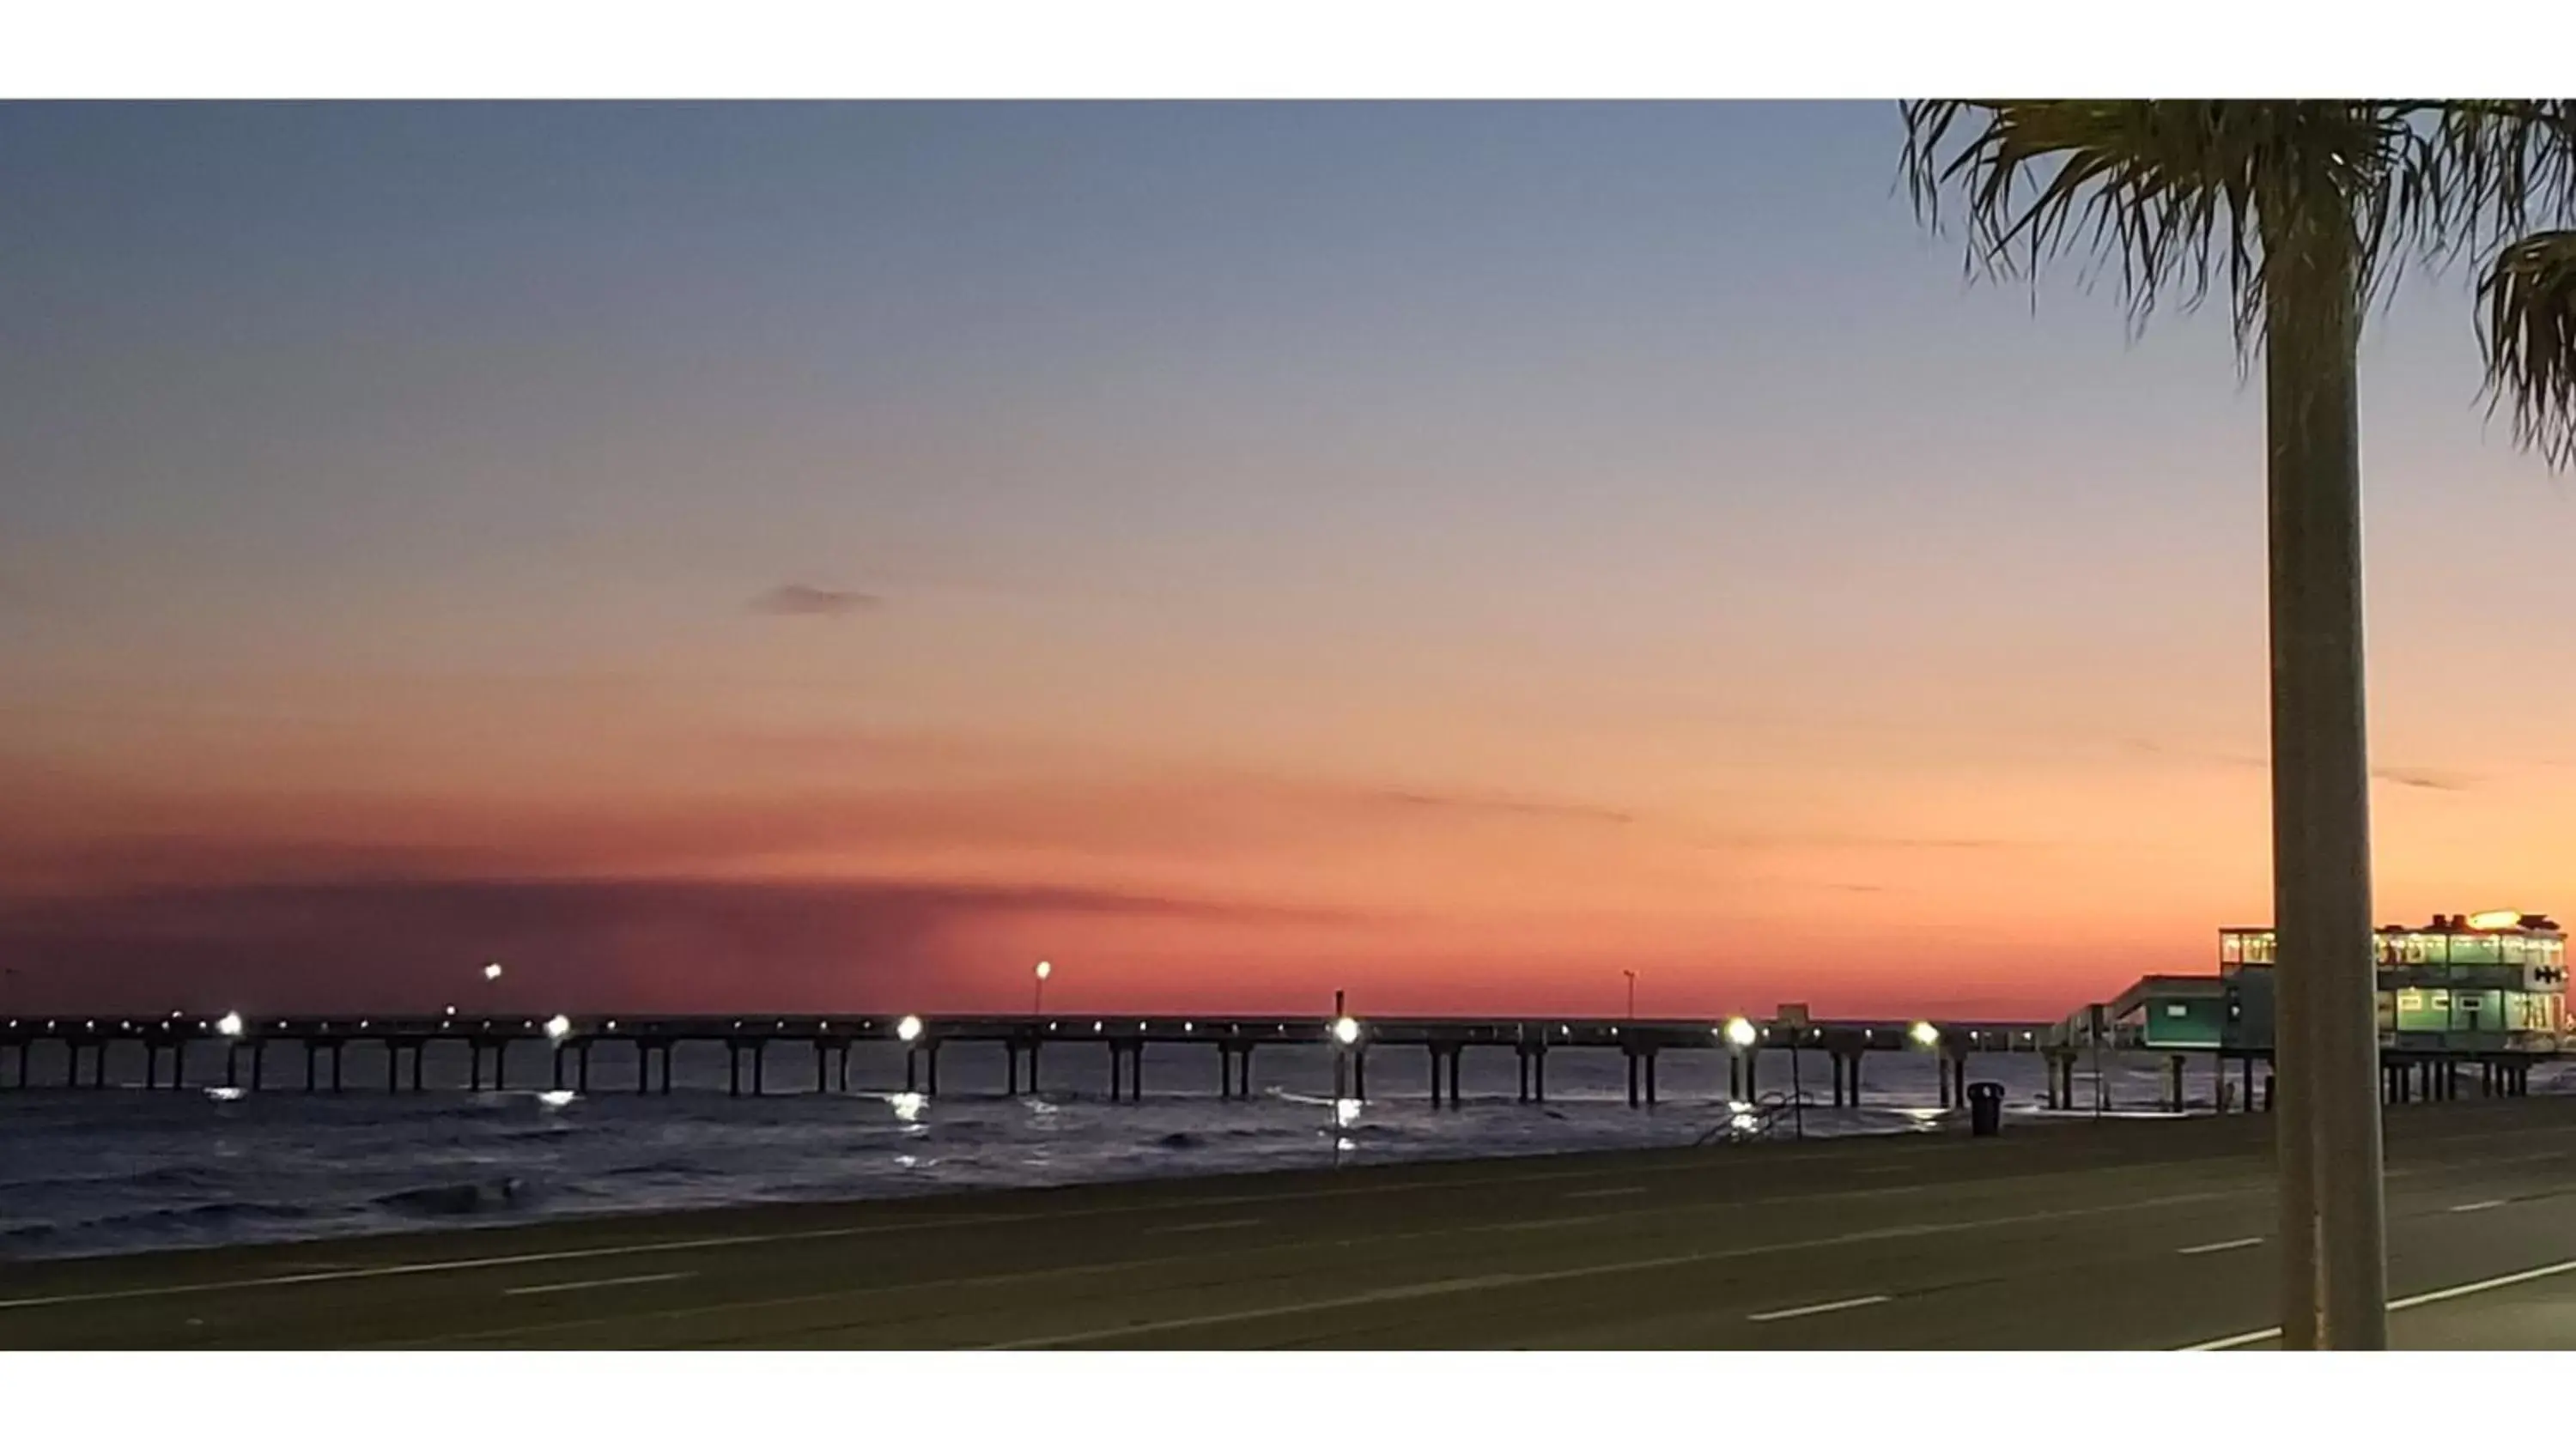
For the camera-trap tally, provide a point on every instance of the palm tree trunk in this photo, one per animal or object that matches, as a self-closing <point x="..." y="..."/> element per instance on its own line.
<point x="2326" y="1026"/>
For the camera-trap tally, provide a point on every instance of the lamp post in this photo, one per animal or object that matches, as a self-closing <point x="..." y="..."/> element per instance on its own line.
<point x="1632" y="994"/>
<point x="1037" y="1003"/>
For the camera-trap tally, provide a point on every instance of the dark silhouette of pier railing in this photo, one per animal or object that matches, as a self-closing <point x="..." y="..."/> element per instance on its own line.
<point x="235" y="1046"/>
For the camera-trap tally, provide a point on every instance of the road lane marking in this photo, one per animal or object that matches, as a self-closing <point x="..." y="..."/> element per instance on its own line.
<point x="532" y="1288"/>
<point x="506" y="1260"/>
<point x="2527" y="1275"/>
<point x="2418" y="1300"/>
<point x="1316" y="1305"/>
<point x="2481" y="1205"/>
<point x="1812" y="1309"/>
<point x="2235" y="1340"/>
<point x="1596" y="1270"/>
<point x="1217" y="1226"/>
<point x="2199" y="1248"/>
<point x="1606" y="1192"/>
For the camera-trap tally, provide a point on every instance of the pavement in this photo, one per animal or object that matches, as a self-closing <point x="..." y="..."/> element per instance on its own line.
<point x="2111" y="1235"/>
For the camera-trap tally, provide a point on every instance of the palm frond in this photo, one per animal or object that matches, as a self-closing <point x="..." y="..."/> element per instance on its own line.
<point x="2527" y="326"/>
<point x="2487" y="171"/>
<point x="2171" y="196"/>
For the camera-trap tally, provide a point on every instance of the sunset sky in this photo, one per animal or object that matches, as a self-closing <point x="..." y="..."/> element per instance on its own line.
<point x="832" y="556"/>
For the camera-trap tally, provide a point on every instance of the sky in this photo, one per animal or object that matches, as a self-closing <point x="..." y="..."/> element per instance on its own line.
<point x="834" y="556"/>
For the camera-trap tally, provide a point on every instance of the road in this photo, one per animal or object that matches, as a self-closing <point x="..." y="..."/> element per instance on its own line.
<point x="2082" y="1236"/>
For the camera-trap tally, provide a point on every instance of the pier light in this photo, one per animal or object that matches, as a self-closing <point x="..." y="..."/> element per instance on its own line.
<point x="492" y="971"/>
<point x="558" y="1027"/>
<point x="908" y="1029"/>
<point x="450" y="1011"/>
<point x="230" y="1024"/>
<point x="1045" y="969"/>
<point x="1740" y="1032"/>
<point x="1346" y="1031"/>
<point x="1926" y="1034"/>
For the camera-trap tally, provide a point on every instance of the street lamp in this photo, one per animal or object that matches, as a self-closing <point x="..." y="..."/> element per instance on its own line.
<point x="492" y="971"/>
<point x="558" y="1027"/>
<point x="1037" y="1005"/>
<point x="1632" y="994"/>
<point x="908" y="1029"/>
<point x="1346" y="1031"/>
<point x="1741" y="1033"/>
<point x="230" y="1024"/>
<point x="1925" y="1034"/>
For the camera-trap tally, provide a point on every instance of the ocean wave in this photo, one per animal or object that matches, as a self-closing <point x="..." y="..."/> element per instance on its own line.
<point x="459" y="1199"/>
<point x="151" y="1222"/>
<point x="661" y="1167"/>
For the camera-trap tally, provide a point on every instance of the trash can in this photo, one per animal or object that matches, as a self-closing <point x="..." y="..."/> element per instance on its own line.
<point x="1985" y="1108"/>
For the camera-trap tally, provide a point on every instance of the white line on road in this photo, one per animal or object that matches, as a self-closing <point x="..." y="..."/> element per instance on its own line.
<point x="594" y="1283"/>
<point x="1598" y="1270"/>
<point x="1810" y="1310"/>
<point x="1606" y="1192"/>
<point x="2217" y="1247"/>
<point x="2438" y="1295"/>
<point x="1210" y="1320"/>
<point x="2481" y="1205"/>
<point x="1204" y="1227"/>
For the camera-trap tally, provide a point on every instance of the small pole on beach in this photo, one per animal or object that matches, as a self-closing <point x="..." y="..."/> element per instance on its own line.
<point x="1797" y="1090"/>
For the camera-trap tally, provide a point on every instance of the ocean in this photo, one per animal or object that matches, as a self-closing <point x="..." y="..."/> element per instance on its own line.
<point x="90" y="1172"/>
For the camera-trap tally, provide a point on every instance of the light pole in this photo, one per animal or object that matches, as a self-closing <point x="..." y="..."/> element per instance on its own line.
<point x="1632" y="994"/>
<point x="1037" y="1003"/>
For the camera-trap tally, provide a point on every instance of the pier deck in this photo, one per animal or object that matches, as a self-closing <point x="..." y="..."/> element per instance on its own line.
<point x="232" y="1049"/>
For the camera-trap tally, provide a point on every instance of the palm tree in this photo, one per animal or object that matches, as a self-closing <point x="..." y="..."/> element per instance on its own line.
<point x="2304" y="213"/>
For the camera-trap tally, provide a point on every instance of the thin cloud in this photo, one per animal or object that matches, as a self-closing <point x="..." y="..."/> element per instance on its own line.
<point x="2421" y="779"/>
<point x="1502" y="805"/>
<point x="2206" y="757"/>
<point x="807" y="601"/>
<point x="1755" y="840"/>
